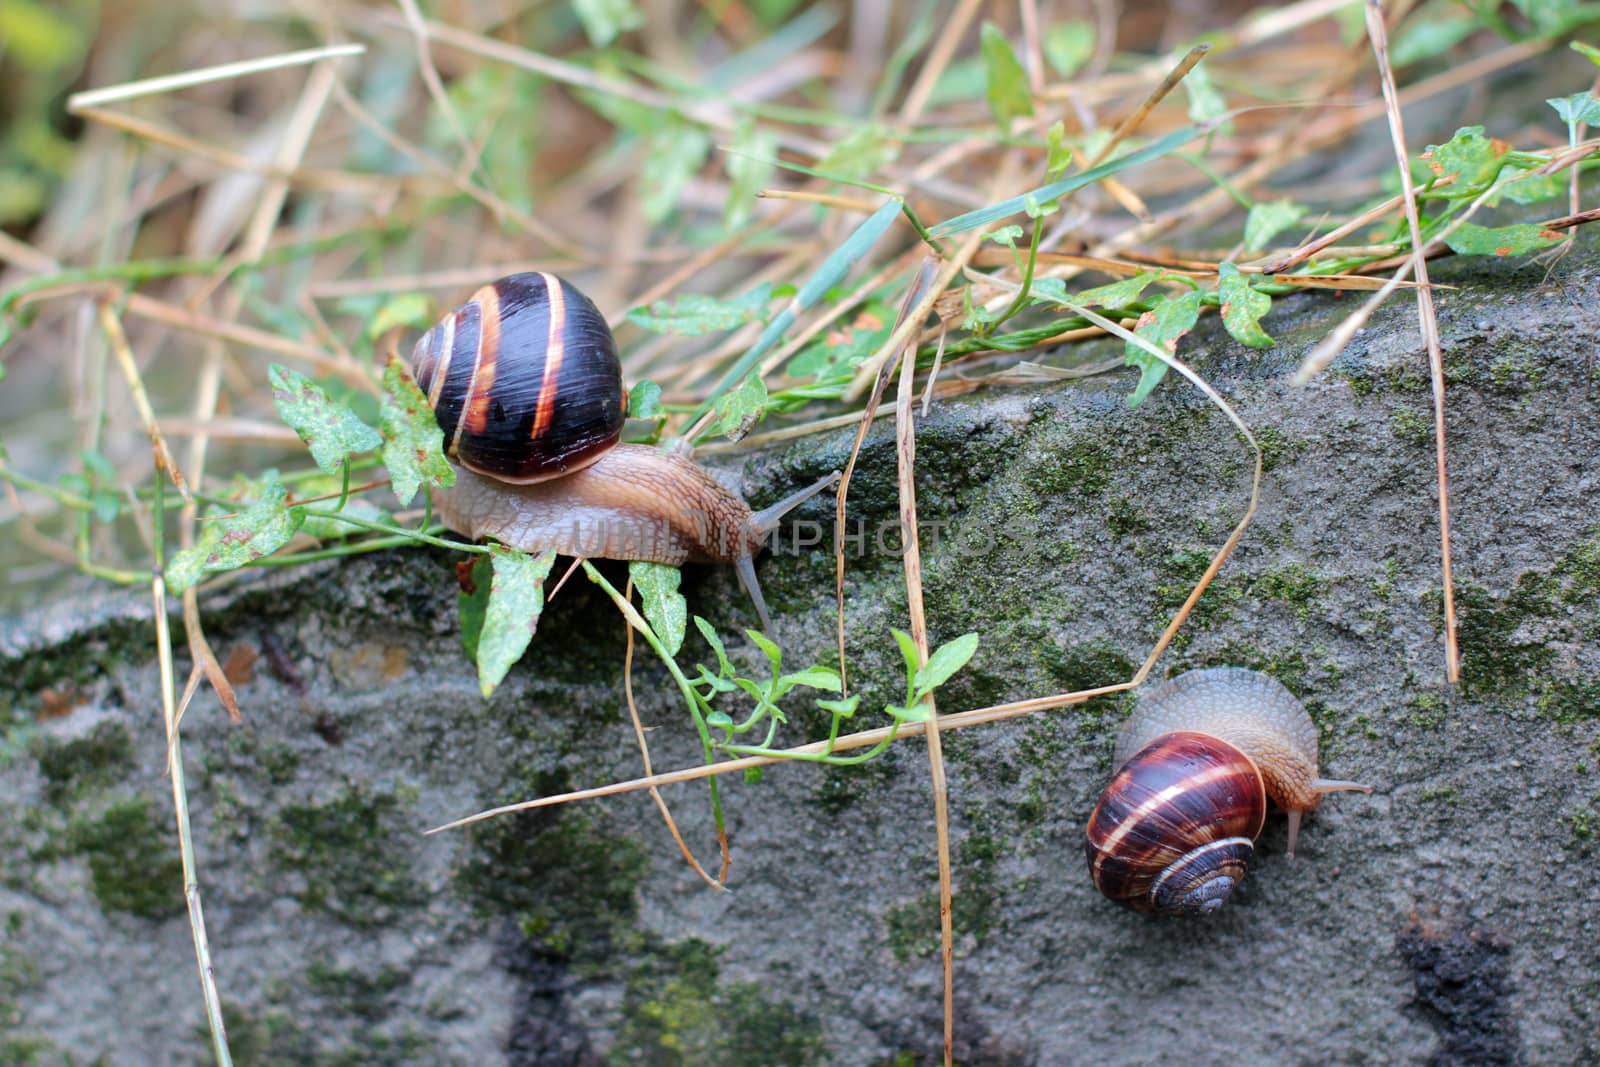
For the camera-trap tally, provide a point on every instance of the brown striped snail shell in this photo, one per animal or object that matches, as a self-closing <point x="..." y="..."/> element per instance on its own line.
<point x="525" y="384"/>
<point x="1203" y="753"/>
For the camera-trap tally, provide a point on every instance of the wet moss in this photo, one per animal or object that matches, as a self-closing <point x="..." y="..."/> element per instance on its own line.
<point x="1498" y="654"/>
<point x="84" y="765"/>
<point x="360" y="993"/>
<point x="569" y="883"/>
<point x="1570" y="702"/>
<point x="1412" y="426"/>
<point x="1295" y="584"/>
<point x="1277" y="446"/>
<point x="1088" y="665"/>
<point x="356" y="853"/>
<point x="133" y="860"/>
<point x="913" y="927"/>
<point x="1426" y="711"/>
<point x="1176" y="575"/>
<point x="1124" y="518"/>
<point x="676" y="1010"/>
<point x="1081" y="470"/>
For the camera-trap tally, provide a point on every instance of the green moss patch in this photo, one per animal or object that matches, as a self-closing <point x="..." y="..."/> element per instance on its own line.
<point x="357" y="852"/>
<point x="133" y="860"/>
<point x="85" y="764"/>
<point x="677" y="1011"/>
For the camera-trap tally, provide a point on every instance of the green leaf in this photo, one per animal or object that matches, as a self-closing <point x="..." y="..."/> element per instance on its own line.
<point x="605" y="20"/>
<point x="1474" y="240"/>
<point x="1436" y="33"/>
<point x="1163" y="325"/>
<point x="472" y="601"/>
<point x="694" y="314"/>
<point x="815" y="677"/>
<point x="1005" y="235"/>
<point x="1577" y="108"/>
<point x="1069" y="44"/>
<point x="1243" y="306"/>
<point x="1533" y="188"/>
<point x="750" y="170"/>
<point x="406" y="311"/>
<point x="1009" y="97"/>
<point x="1058" y="153"/>
<point x="1588" y="50"/>
<point x="918" y="712"/>
<point x="228" y="544"/>
<point x="1205" y="99"/>
<point x="516" y="599"/>
<point x="709" y="632"/>
<point x="330" y="529"/>
<point x="844" y="709"/>
<point x="38" y="35"/>
<point x="945" y="661"/>
<point x="1469" y="154"/>
<point x="413" y="444"/>
<point x="674" y="153"/>
<point x="664" y="606"/>
<point x="908" y="651"/>
<point x="1119" y="293"/>
<point x="767" y="646"/>
<point x="740" y="409"/>
<point x="861" y="154"/>
<point x="1267" y="219"/>
<point x="753" y="775"/>
<point x="841" y="349"/>
<point x="644" y="400"/>
<point x="331" y="430"/>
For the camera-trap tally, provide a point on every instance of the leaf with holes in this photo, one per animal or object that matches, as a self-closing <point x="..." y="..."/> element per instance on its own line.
<point x="664" y="606"/>
<point x="1163" y="326"/>
<point x="228" y="544"/>
<point x="331" y="430"/>
<point x="1474" y="240"/>
<point x="516" y="600"/>
<point x="1243" y="306"/>
<point x="413" y="444"/>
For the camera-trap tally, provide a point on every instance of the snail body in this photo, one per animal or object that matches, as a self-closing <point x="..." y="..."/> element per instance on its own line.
<point x="1175" y="828"/>
<point x="526" y="386"/>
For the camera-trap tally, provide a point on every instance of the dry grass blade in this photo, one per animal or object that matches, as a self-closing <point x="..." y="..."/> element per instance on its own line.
<point x="906" y="467"/>
<point x="1378" y="34"/>
<point x="222" y="72"/>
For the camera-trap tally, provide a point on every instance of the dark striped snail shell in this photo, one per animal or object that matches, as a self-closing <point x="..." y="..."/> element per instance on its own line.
<point x="525" y="383"/>
<point x="1203" y="753"/>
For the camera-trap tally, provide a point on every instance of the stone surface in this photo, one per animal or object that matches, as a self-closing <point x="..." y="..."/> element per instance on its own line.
<point x="1450" y="917"/>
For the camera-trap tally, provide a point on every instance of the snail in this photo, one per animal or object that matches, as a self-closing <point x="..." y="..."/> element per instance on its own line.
<point x="525" y="384"/>
<point x="1197" y="763"/>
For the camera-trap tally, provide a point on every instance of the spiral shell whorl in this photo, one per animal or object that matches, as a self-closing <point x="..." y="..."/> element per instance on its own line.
<point x="1154" y="840"/>
<point x="1249" y="710"/>
<point x="523" y="379"/>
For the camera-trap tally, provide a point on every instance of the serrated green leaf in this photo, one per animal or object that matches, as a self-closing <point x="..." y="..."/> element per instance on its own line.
<point x="674" y="154"/>
<point x="228" y="544"/>
<point x="1474" y="240"/>
<point x="814" y="677"/>
<point x="664" y="607"/>
<point x="1469" y="154"/>
<point x="1009" y="96"/>
<point x="1117" y="294"/>
<point x="1267" y="219"/>
<point x="644" y="400"/>
<point x="605" y="20"/>
<point x="472" y="602"/>
<point x="740" y="409"/>
<point x="750" y="170"/>
<point x="768" y="647"/>
<point x="413" y="444"/>
<point x="331" y="430"/>
<point x="516" y="600"/>
<point x="406" y="311"/>
<point x="1243" y="307"/>
<point x="1577" y="108"/>
<point x="1164" y="326"/>
<point x="694" y="314"/>
<point x="1069" y="44"/>
<point x="944" y="662"/>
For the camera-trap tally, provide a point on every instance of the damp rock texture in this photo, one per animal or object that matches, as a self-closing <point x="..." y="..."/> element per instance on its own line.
<point x="1448" y="918"/>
